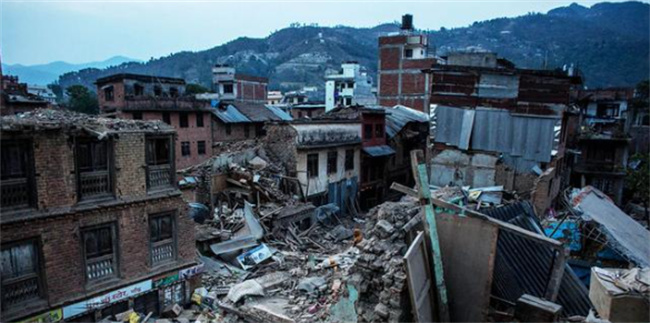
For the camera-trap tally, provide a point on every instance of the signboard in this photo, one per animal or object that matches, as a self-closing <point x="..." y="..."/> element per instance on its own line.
<point x="48" y="317"/>
<point x="189" y="272"/>
<point x="112" y="297"/>
<point x="165" y="281"/>
<point x="254" y="256"/>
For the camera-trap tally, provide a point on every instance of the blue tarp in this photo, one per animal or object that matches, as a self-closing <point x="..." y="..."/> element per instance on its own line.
<point x="377" y="151"/>
<point x="339" y="193"/>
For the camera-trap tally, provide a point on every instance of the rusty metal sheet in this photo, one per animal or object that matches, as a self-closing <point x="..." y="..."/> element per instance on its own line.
<point x="419" y="280"/>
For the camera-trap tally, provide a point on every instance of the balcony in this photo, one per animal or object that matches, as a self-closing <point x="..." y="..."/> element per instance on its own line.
<point x="15" y="193"/>
<point x="100" y="267"/>
<point x="95" y="184"/>
<point x="159" y="177"/>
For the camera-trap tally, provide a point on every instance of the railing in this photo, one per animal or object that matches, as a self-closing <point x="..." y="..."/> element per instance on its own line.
<point x="20" y="291"/>
<point x="95" y="184"/>
<point x="100" y="267"/>
<point x="15" y="192"/>
<point x="162" y="251"/>
<point x="159" y="176"/>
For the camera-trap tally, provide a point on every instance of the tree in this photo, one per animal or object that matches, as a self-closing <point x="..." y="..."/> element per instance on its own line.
<point x="80" y="99"/>
<point x="193" y="88"/>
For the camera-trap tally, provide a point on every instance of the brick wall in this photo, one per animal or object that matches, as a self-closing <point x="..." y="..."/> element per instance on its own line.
<point x="389" y="84"/>
<point x="192" y="134"/>
<point x="390" y="58"/>
<point x="118" y="96"/>
<point x="237" y="131"/>
<point x="60" y="238"/>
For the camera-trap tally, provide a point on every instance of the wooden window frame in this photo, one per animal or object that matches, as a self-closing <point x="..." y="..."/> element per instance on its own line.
<point x="38" y="274"/>
<point x="200" y="151"/>
<point x="166" y="118"/>
<point x="312" y="172"/>
<point x="110" y="168"/>
<point x="332" y="165"/>
<point x="349" y="159"/>
<point x="183" y="120"/>
<point x="153" y="167"/>
<point x="30" y="177"/>
<point x="173" y="240"/>
<point x="189" y="149"/>
<point x="199" y="120"/>
<point x="115" y="255"/>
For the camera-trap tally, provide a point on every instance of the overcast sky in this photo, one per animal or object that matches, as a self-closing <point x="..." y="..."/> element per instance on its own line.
<point x="35" y="32"/>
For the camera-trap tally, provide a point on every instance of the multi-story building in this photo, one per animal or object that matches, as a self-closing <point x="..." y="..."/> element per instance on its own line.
<point x="603" y="140"/>
<point x="92" y="221"/>
<point x="232" y="86"/>
<point x="350" y="86"/>
<point x="402" y="57"/>
<point x="144" y="97"/>
<point x="324" y="155"/>
<point x="274" y="97"/>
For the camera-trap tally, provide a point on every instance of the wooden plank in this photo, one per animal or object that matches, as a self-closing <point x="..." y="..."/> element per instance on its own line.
<point x="419" y="280"/>
<point x="471" y="213"/>
<point x="420" y="174"/>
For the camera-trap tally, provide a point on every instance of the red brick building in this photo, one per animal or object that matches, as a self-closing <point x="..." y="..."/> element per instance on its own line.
<point x="92" y="221"/>
<point x="143" y="97"/>
<point x="401" y="60"/>
<point x="16" y="99"/>
<point x="232" y="86"/>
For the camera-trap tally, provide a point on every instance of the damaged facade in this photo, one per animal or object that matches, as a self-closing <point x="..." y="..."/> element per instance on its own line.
<point x="323" y="155"/>
<point x="92" y="221"/>
<point x="493" y="124"/>
<point x="16" y="97"/>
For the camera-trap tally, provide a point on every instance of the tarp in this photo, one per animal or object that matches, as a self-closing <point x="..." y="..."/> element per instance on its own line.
<point x="378" y="151"/>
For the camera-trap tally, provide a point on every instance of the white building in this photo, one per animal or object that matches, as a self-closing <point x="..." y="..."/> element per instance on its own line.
<point x="350" y="86"/>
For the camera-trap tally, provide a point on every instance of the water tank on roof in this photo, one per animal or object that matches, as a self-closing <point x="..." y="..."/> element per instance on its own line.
<point x="407" y="22"/>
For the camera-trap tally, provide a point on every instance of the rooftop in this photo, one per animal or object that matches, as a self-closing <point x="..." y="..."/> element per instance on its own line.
<point x="139" y="77"/>
<point x="49" y="119"/>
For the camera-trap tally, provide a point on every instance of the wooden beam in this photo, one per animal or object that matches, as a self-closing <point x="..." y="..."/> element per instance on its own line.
<point x="471" y="213"/>
<point x="420" y="173"/>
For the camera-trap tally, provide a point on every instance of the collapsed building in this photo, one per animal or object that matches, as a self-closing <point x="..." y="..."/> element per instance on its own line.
<point x="92" y="221"/>
<point x="494" y="124"/>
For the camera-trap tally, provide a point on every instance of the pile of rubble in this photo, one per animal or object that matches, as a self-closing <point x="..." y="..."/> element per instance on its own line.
<point x="333" y="270"/>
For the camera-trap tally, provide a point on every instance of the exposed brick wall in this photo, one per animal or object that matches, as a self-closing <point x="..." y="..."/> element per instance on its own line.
<point x="388" y="40"/>
<point x="54" y="167"/>
<point x="130" y="162"/>
<point x="280" y="144"/>
<point x="192" y="133"/>
<point x="418" y="63"/>
<point x="390" y="58"/>
<point x="118" y="96"/>
<point x="251" y="91"/>
<point x="389" y="84"/>
<point x="298" y="113"/>
<point x="413" y="83"/>
<point x="60" y="238"/>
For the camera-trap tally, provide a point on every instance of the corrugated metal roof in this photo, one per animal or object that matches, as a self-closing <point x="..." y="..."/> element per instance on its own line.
<point x="377" y="151"/>
<point x="523" y="266"/>
<point x="279" y="113"/>
<point x="229" y="114"/>
<point x="399" y="116"/>
<point x="529" y="137"/>
<point x="624" y="235"/>
<point x="256" y="112"/>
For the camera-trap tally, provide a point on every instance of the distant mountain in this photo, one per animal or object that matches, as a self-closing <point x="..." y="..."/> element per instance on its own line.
<point x="608" y="42"/>
<point x="44" y="74"/>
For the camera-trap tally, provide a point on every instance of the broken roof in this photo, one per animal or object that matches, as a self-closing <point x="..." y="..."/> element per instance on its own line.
<point x="624" y="235"/>
<point x="49" y="119"/>
<point x="228" y="113"/>
<point x="399" y="116"/>
<point x="256" y="112"/>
